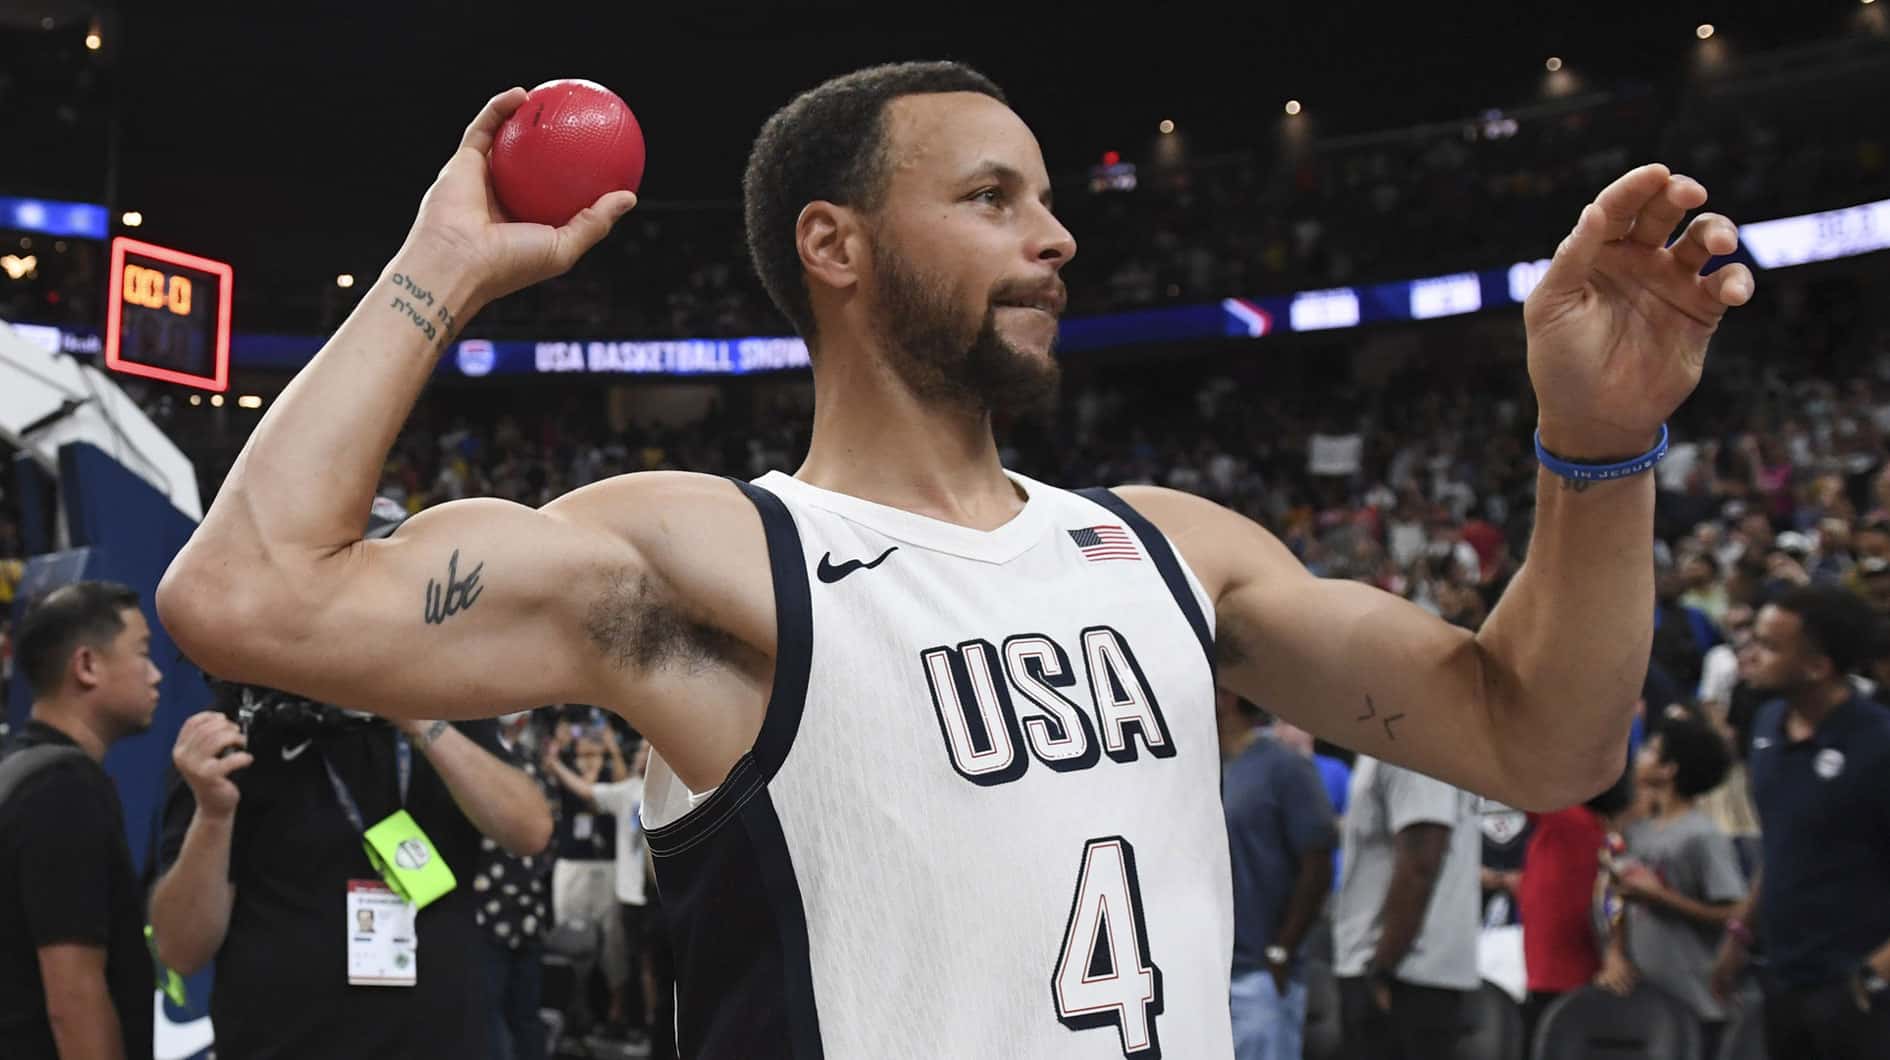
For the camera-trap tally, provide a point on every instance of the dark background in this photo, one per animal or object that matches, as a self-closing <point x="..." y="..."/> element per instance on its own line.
<point x="295" y="141"/>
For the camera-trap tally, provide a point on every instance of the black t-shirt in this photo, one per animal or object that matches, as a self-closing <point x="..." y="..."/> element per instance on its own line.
<point x="66" y="876"/>
<point x="281" y="984"/>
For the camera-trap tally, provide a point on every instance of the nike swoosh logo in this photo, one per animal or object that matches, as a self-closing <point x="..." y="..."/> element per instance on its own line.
<point x="830" y="573"/>
<point x="289" y="755"/>
<point x="175" y="1039"/>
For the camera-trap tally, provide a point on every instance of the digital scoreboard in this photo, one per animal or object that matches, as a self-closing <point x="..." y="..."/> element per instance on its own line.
<point x="167" y="315"/>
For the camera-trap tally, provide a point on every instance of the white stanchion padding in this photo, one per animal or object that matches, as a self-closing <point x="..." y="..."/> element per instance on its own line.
<point x="36" y="382"/>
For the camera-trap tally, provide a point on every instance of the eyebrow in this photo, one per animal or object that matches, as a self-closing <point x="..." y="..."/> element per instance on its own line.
<point x="990" y="169"/>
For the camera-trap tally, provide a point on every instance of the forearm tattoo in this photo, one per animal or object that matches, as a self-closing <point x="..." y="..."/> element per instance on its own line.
<point x="1371" y="712"/>
<point x="435" y="321"/>
<point x="456" y="595"/>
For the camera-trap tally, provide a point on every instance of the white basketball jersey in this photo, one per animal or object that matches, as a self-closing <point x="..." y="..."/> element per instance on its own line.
<point x="983" y="815"/>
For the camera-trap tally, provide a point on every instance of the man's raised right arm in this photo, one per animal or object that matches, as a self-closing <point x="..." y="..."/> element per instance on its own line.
<point x="471" y="608"/>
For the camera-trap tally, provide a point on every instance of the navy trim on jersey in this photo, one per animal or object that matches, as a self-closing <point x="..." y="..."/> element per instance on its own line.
<point x="1165" y="561"/>
<point x="732" y="906"/>
<point x="731" y="900"/>
<point x="794" y="630"/>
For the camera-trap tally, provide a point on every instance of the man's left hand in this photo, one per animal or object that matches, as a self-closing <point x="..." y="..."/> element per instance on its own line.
<point x="1619" y="324"/>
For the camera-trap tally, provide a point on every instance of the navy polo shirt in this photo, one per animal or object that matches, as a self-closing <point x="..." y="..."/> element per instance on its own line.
<point x="1824" y="807"/>
<point x="1277" y="813"/>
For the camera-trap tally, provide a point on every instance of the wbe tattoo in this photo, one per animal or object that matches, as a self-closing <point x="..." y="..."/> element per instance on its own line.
<point x="458" y="594"/>
<point x="416" y="307"/>
<point x="1371" y="711"/>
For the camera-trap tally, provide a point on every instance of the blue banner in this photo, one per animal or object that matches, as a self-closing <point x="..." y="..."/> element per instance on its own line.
<point x="54" y="218"/>
<point x="1765" y="244"/>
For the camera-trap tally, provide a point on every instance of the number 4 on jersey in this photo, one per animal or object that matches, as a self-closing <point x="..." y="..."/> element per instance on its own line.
<point x="1104" y="976"/>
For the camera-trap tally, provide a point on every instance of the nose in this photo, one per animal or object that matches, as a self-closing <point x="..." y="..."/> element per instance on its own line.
<point x="1050" y="241"/>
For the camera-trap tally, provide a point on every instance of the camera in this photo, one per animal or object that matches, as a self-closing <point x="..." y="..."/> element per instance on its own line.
<point x="255" y="707"/>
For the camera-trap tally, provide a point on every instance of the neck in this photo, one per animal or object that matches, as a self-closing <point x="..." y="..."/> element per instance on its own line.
<point x="1236" y="737"/>
<point x="876" y="440"/>
<point x="1672" y="804"/>
<point x="1815" y="703"/>
<point x="74" y="722"/>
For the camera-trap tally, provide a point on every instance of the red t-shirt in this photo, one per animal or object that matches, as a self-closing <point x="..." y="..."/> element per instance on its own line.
<point x="1557" y="895"/>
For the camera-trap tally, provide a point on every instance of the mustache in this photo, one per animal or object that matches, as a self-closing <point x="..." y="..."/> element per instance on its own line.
<point x="1050" y="297"/>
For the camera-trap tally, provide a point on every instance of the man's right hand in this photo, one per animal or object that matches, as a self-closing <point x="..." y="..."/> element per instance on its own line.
<point x="460" y="216"/>
<point x="1727" y="966"/>
<point x="199" y="757"/>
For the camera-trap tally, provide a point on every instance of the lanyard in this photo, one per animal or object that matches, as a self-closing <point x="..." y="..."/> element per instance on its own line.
<point x="403" y="763"/>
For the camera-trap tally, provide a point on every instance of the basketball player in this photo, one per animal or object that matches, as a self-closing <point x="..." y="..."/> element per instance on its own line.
<point x="936" y="768"/>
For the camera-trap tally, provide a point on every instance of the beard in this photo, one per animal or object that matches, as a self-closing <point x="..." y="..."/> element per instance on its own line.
<point x="948" y="360"/>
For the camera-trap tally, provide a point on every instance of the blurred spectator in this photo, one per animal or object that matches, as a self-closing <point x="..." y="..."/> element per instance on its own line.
<point x="1683" y="881"/>
<point x="514" y="895"/>
<point x="1281" y="835"/>
<point x="75" y="975"/>
<point x="1556" y="892"/>
<point x="585" y="882"/>
<point x="1334" y="773"/>
<point x="1819" y="754"/>
<point x="620" y="802"/>
<point x="1405" y="921"/>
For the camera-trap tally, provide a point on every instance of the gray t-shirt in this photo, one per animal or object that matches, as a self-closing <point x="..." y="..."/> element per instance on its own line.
<point x="1694" y="858"/>
<point x="1385" y="800"/>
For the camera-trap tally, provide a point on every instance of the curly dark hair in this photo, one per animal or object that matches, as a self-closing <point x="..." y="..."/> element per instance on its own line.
<point x="1699" y="757"/>
<point x="829" y="144"/>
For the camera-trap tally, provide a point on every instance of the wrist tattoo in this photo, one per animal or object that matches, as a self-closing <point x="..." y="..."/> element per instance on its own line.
<point x="433" y="733"/>
<point x="435" y="321"/>
<point x="1576" y="485"/>
<point x="456" y="595"/>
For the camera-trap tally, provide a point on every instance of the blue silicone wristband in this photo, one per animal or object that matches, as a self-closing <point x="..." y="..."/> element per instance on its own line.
<point x="1602" y="472"/>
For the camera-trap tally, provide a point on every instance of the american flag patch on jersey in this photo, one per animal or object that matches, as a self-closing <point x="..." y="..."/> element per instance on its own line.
<point x="1105" y="542"/>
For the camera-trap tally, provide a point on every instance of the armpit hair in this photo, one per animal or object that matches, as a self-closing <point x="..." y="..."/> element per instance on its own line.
<point x="1232" y="641"/>
<point x="634" y="625"/>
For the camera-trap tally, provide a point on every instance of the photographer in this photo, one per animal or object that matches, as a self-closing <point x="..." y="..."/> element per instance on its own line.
<point x="264" y="870"/>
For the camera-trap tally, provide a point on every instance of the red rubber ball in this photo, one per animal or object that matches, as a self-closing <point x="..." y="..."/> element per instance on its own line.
<point x="570" y="144"/>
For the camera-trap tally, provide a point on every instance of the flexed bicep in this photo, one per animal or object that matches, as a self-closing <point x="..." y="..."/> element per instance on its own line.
<point x="471" y="609"/>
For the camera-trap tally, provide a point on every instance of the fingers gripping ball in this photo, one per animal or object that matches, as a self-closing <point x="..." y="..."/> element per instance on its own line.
<point x="571" y="143"/>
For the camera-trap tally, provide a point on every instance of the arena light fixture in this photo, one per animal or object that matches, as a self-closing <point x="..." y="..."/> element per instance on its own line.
<point x="196" y="399"/>
<point x="345" y="280"/>
<point x="1703" y="31"/>
<point x="249" y="401"/>
<point x="1292" y="107"/>
<point x="1167" y="126"/>
<point x="132" y="218"/>
<point x="216" y="401"/>
<point x="93" y="42"/>
<point x="1554" y="64"/>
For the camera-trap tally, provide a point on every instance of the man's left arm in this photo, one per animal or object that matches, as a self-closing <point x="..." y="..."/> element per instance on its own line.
<point x="500" y="799"/>
<point x="1534" y="708"/>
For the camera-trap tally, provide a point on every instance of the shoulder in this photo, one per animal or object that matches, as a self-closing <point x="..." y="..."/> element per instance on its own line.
<point x="1224" y="548"/>
<point x="699" y="550"/>
<point x="648" y="507"/>
<point x="62" y="795"/>
<point x="1701" y="831"/>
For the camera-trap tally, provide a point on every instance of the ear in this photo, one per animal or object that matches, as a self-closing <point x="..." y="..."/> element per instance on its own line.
<point x="87" y="667"/>
<point x="826" y="235"/>
<point x="1821" y="669"/>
